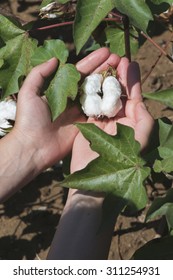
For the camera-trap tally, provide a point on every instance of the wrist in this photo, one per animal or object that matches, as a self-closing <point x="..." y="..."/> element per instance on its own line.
<point x="84" y="199"/>
<point x="18" y="164"/>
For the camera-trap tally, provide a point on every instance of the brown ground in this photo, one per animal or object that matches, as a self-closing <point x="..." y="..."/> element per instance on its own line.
<point x="28" y="220"/>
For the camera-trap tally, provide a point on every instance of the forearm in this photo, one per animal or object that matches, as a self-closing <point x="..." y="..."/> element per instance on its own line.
<point x="18" y="164"/>
<point x="80" y="234"/>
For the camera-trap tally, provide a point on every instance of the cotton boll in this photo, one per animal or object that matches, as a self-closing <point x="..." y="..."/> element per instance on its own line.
<point x="7" y="112"/>
<point x="111" y="85"/>
<point x="91" y="105"/>
<point x="110" y="108"/>
<point x="111" y="102"/>
<point x="92" y="84"/>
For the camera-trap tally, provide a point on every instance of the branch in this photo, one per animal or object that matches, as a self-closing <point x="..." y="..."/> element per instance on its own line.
<point x="157" y="46"/>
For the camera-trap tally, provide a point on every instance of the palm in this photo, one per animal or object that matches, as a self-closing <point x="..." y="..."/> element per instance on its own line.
<point x="133" y="114"/>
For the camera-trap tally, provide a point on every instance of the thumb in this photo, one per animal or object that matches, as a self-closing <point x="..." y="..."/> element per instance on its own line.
<point x="35" y="79"/>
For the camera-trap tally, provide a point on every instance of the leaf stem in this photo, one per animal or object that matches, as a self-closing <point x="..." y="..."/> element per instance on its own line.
<point x="53" y="26"/>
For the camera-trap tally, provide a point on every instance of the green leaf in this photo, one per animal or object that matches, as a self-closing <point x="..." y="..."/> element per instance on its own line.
<point x="164" y="96"/>
<point x="63" y="86"/>
<point x="162" y="206"/>
<point x="50" y="48"/>
<point x="138" y="12"/>
<point x="165" y="149"/>
<point x="165" y="165"/>
<point x="164" y="131"/>
<point x="88" y="15"/>
<point x="15" y="55"/>
<point x="115" y="38"/>
<point x="118" y="171"/>
<point x="9" y="28"/>
<point x="157" y="249"/>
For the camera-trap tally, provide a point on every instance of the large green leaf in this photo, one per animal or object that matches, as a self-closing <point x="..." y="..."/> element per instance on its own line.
<point x="157" y="249"/>
<point x="88" y="15"/>
<point x="9" y="28"/>
<point x="118" y="171"/>
<point x="164" y="96"/>
<point x="138" y="12"/>
<point x="63" y="86"/>
<point x="115" y="38"/>
<point x="162" y="206"/>
<point x="15" y="55"/>
<point x="50" y="48"/>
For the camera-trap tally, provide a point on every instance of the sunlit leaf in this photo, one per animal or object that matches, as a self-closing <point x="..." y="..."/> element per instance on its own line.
<point x="63" y="86"/>
<point x="88" y="15"/>
<point x="115" y="37"/>
<point x="15" y="55"/>
<point x="164" y="96"/>
<point x="50" y="48"/>
<point x="138" y="12"/>
<point x="118" y="171"/>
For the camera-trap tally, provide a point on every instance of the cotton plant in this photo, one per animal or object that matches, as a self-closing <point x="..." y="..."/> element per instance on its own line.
<point x="7" y="115"/>
<point x="101" y="95"/>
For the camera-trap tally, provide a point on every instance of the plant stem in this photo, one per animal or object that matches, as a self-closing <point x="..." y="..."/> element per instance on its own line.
<point x="127" y="37"/>
<point x="157" y="46"/>
<point x="53" y="26"/>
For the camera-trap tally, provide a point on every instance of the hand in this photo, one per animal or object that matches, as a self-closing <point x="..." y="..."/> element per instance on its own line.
<point x="133" y="114"/>
<point x="36" y="142"/>
<point x="52" y="140"/>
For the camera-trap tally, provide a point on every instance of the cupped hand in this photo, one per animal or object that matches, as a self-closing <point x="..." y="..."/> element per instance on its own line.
<point x="133" y="114"/>
<point x="33" y="126"/>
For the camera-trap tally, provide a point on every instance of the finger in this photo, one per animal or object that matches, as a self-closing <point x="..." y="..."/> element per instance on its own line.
<point x="122" y="73"/>
<point x="35" y="80"/>
<point x="130" y="75"/>
<point x="134" y="81"/>
<point x="113" y="61"/>
<point x="92" y="61"/>
<point x="144" y="124"/>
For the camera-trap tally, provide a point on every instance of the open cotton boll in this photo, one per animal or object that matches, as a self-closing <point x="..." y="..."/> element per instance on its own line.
<point x="111" y="86"/>
<point x="7" y="112"/>
<point x="110" y="108"/>
<point x="91" y="105"/>
<point x="92" y="84"/>
<point x="111" y="102"/>
<point x="101" y="97"/>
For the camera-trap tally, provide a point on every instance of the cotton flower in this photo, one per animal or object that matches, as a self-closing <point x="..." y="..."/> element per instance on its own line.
<point x="7" y="112"/>
<point x="101" y="97"/>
